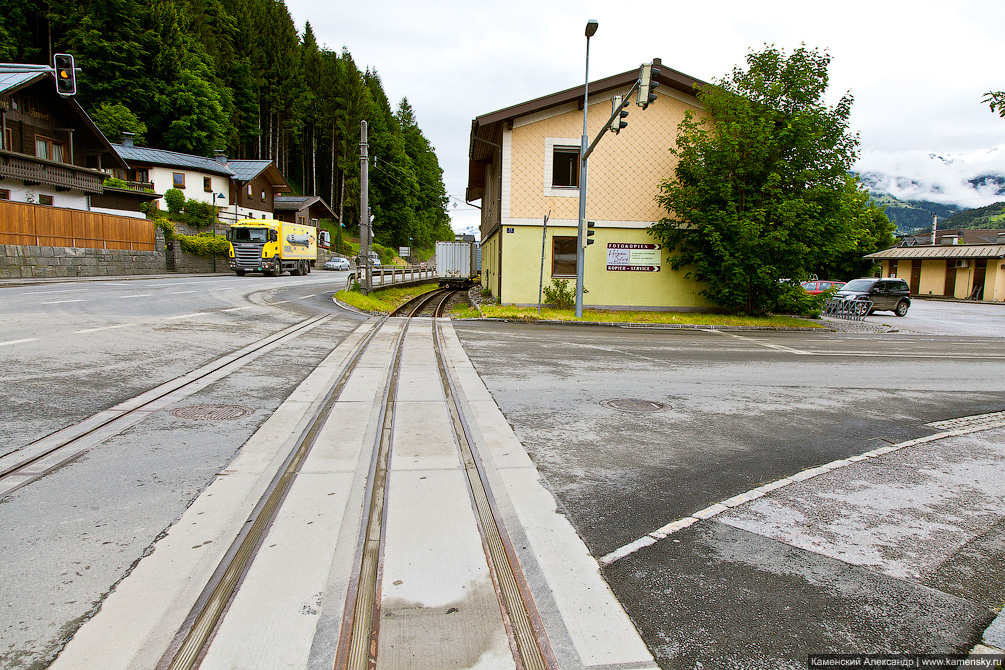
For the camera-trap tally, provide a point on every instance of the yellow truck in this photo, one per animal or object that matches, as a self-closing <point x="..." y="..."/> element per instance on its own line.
<point x="272" y="247"/>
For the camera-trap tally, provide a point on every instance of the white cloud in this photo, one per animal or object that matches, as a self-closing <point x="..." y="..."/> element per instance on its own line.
<point x="942" y="178"/>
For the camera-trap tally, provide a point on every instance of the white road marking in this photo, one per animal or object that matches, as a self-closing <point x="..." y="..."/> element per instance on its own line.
<point x="60" y="302"/>
<point x="977" y="423"/>
<point x="137" y="295"/>
<point x="186" y="316"/>
<point x="67" y="290"/>
<point x="27" y="339"/>
<point x="304" y="297"/>
<point x="181" y="292"/>
<point x="95" y="330"/>
<point x="234" y="309"/>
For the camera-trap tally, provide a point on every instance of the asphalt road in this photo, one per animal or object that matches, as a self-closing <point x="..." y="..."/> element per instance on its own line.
<point x="740" y="410"/>
<point x="70" y="350"/>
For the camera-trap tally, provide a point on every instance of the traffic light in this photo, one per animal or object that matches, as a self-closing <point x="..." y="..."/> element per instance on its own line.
<point x="647" y="85"/>
<point x="66" y="78"/>
<point x="618" y="122"/>
<point x="588" y="238"/>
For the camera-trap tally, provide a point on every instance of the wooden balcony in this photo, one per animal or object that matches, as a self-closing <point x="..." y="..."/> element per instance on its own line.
<point x="34" y="170"/>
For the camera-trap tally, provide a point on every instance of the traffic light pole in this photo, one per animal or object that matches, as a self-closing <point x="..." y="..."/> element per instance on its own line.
<point x="583" y="161"/>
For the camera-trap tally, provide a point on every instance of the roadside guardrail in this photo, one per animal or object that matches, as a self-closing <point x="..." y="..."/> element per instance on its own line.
<point x="392" y="274"/>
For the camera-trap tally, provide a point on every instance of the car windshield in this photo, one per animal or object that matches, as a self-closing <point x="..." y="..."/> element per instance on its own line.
<point x="249" y="234"/>
<point x="858" y="285"/>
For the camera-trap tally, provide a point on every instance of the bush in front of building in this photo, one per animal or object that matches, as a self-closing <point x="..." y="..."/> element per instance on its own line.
<point x="175" y="200"/>
<point x="204" y="244"/>
<point x="560" y="295"/>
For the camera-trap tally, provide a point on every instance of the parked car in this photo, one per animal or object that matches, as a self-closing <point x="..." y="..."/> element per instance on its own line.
<point x="337" y="264"/>
<point x="889" y="295"/>
<point x="818" y="286"/>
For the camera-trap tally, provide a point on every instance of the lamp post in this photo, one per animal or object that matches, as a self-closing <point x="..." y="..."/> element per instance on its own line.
<point x="591" y="29"/>
<point x="218" y="195"/>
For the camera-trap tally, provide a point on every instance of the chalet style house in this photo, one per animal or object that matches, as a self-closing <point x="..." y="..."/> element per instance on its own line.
<point x="51" y="152"/>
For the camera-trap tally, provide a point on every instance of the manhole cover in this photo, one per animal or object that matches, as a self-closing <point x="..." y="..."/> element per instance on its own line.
<point x="211" y="412"/>
<point x="633" y="405"/>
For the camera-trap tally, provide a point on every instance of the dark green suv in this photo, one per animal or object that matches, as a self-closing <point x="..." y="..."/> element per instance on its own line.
<point x="887" y="295"/>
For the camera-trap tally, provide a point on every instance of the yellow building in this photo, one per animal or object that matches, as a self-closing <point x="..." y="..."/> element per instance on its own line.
<point x="965" y="264"/>
<point x="524" y="165"/>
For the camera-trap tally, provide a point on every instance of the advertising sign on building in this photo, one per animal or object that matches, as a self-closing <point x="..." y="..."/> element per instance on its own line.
<point x="623" y="257"/>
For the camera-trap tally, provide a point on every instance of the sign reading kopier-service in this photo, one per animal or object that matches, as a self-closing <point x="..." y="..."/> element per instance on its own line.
<point x="633" y="257"/>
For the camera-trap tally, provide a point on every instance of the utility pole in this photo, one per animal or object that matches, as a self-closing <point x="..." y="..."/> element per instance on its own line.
<point x="363" y="266"/>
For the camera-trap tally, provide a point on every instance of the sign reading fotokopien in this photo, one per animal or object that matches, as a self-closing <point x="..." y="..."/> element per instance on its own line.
<point x="623" y="257"/>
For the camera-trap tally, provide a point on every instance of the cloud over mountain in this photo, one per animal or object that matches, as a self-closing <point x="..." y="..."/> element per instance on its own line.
<point x="971" y="179"/>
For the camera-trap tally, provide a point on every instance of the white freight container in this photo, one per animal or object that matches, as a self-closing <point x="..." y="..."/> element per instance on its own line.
<point x="455" y="262"/>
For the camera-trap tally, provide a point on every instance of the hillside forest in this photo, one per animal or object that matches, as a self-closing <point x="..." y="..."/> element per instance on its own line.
<point x="195" y="76"/>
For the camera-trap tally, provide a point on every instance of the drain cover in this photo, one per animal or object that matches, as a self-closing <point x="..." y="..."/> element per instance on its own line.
<point x="211" y="412"/>
<point x="633" y="405"/>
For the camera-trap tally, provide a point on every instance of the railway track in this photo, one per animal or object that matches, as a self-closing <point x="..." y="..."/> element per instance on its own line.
<point x="41" y="457"/>
<point x="370" y="635"/>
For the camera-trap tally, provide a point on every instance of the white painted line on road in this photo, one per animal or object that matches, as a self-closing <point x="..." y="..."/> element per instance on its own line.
<point x="234" y="309"/>
<point x="95" y="330"/>
<point x="304" y="297"/>
<point x="180" y="292"/>
<point x="977" y="423"/>
<point x="66" y="290"/>
<point x="138" y="295"/>
<point x="22" y="341"/>
<point x="60" y="302"/>
<point x="277" y="303"/>
<point x="777" y="347"/>
<point x="186" y="316"/>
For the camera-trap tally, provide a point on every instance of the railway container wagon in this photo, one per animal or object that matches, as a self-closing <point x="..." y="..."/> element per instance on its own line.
<point x="456" y="263"/>
<point x="272" y="247"/>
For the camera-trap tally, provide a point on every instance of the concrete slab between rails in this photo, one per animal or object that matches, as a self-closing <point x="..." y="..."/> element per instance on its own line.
<point x="138" y="620"/>
<point x="585" y="624"/>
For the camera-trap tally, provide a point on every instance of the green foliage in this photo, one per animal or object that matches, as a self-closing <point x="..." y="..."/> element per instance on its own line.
<point x="199" y="214"/>
<point x="762" y="188"/>
<point x="559" y="294"/>
<point x="114" y="182"/>
<point x="175" y="200"/>
<point x="996" y="100"/>
<point x="113" y="119"/>
<point x="793" y="300"/>
<point x="989" y="217"/>
<point x="236" y="75"/>
<point x="166" y="227"/>
<point x="204" y="244"/>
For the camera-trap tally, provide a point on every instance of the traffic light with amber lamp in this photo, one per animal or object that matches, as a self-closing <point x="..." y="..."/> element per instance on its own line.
<point x="618" y="121"/>
<point x="647" y="85"/>
<point x="66" y="78"/>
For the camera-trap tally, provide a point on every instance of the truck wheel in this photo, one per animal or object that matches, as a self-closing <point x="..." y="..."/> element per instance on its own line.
<point x="296" y="272"/>
<point x="239" y="273"/>
<point x="279" y="269"/>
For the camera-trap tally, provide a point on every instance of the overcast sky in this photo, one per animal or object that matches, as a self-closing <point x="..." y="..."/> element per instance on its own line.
<point x="917" y="70"/>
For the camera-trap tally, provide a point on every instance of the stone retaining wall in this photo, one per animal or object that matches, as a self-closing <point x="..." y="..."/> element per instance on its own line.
<point x="28" y="262"/>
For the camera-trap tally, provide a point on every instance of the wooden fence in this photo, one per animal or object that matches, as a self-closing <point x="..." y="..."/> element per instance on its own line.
<point x="42" y="226"/>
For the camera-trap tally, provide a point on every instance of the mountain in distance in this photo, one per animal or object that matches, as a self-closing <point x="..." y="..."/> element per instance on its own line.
<point x="915" y="185"/>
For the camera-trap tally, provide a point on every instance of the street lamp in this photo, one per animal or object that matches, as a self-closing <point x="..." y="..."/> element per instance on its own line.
<point x="218" y="195"/>
<point x="591" y="29"/>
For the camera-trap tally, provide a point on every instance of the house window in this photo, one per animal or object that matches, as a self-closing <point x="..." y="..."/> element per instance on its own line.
<point x="4" y="194"/>
<point x="563" y="257"/>
<point x="565" y="167"/>
<point x="8" y="139"/>
<point x="263" y="195"/>
<point x="251" y="193"/>
<point x="49" y="149"/>
<point x="44" y="199"/>
<point x="207" y="184"/>
<point x="178" y="179"/>
<point x="893" y="268"/>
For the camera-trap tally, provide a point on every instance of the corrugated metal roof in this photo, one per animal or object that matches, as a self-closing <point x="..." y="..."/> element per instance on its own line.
<point x="293" y="202"/>
<point x="247" y="170"/>
<point x="944" y="251"/>
<point x="12" y="79"/>
<point x="172" y="159"/>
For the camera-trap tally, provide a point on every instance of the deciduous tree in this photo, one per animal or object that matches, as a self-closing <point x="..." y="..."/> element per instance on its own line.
<point x="762" y="191"/>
